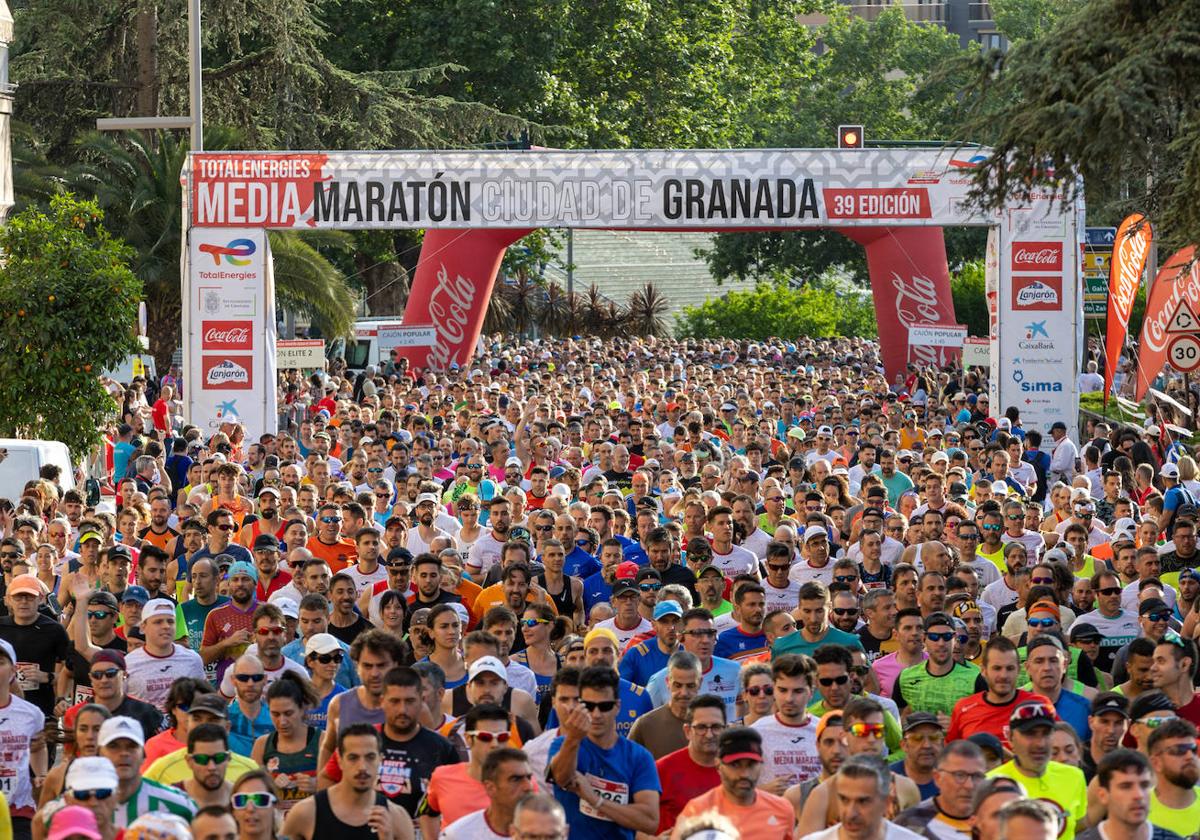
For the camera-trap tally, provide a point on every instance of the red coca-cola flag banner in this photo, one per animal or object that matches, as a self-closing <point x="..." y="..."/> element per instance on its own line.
<point x="1178" y="280"/>
<point x="1130" y="250"/>
<point x="451" y="289"/>
<point x="910" y="280"/>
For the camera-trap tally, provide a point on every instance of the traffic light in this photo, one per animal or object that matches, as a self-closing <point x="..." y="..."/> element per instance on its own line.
<point x="850" y="137"/>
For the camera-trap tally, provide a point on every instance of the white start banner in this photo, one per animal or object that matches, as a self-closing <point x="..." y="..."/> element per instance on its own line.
<point x="229" y="323"/>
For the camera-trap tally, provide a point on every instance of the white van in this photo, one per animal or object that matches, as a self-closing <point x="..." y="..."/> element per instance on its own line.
<point x="21" y="461"/>
<point x="363" y="350"/>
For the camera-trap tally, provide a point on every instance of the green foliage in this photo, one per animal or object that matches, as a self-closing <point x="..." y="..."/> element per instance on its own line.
<point x="968" y="287"/>
<point x="820" y="310"/>
<point x="1021" y="20"/>
<point x="1105" y="96"/>
<point x="68" y="310"/>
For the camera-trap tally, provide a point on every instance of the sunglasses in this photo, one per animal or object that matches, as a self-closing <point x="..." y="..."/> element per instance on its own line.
<point x="828" y="681"/>
<point x="702" y="634"/>
<point x="100" y="615"/>
<point x="545" y="529"/>
<point x="105" y="674"/>
<point x="845" y="578"/>
<point x="1155" y="722"/>
<point x="990" y="527"/>
<point x="1180" y="750"/>
<point x="1109" y="591"/>
<point x="865" y="730"/>
<point x="1158" y="616"/>
<point x="245" y="678"/>
<point x="226" y="527"/>
<point x="649" y="587"/>
<point x="534" y="622"/>
<point x="274" y="630"/>
<point x="940" y="637"/>
<point x="1016" y="518"/>
<point x="205" y="760"/>
<point x="1042" y="622"/>
<point x="242" y="801"/>
<point x="99" y="794"/>
<point x="860" y="670"/>
<point x="1034" y="711"/>
<point x="778" y="567"/>
<point x="764" y="690"/>
<point x="383" y="496"/>
<point x="326" y="658"/>
<point x="604" y="706"/>
<point x="489" y="737"/>
<point x="846" y="611"/>
<point x="331" y="520"/>
<point x="1042" y="581"/>
<point x="9" y="555"/>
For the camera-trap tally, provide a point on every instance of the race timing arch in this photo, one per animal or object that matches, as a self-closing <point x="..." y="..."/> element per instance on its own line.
<point x="473" y="205"/>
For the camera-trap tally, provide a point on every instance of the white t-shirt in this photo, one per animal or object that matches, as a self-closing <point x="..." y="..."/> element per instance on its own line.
<point x="782" y="599"/>
<point x="1033" y="541"/>
<point x="538" y="751"/>
<point x="521" y="677"/>
<point x="802" y="572"/>
<point x="623" y="636"/>
<point x="20" y="720"/>
<point x="1129" y="597"/>
<point x="891" y="831"/>
<point x="227" y="687"/>
<point x="473" y="826"/>
<point x="362" y="580"/>
<point x="757" y="543"/>
<point x="789" y="751"/>
<point x="485" y="553"/>
<point x="998" y="594"/>
<point x="739" y="561"/>
<point x="417" y="545"/>
<point x="150" y="676"/>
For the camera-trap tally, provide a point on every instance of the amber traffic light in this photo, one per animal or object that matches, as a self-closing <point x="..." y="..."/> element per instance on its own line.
<point x="850" y="137"/>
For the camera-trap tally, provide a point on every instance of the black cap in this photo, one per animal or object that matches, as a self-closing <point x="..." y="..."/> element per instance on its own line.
<point x="265" y="541"/>
<point x="936" y="619"/>
<point x="1081" y="631"/>
<point x="1150" y="701"/>
<point x="400" y="554"/>
<point x="210" y="702"/>
<point x="622" y="585"/>
<point x="119" y="550"/>
<point x="1110" y="701"/>
<point x="1044" y="640"/>
<point x="1151" y="605"/>
<point x="988" y="742"/>
<point x="872" y="511"/>
<point x="1058" y="424"/>
<point x="739" y="742"/>
<point x="648" y="572"/>
<point x="922" y="719"/>
<point x="106" y="598"/>
<point x="957" y="488"/>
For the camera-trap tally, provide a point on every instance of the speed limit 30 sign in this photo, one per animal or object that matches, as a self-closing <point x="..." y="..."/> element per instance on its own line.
<point x="1184" y="353"/>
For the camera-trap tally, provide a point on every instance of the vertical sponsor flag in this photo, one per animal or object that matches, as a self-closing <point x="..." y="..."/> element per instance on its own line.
<point x="1130" y="250"/>
<point x="1176" y="288"/>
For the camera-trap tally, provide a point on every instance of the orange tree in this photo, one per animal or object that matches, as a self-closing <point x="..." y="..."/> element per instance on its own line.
<point x="68" y="310"/>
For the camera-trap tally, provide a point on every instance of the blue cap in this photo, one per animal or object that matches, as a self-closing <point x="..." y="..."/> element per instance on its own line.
<point x="135" y="593"/>
<point x="665" y="608"/>
<point x="241" y="567"/>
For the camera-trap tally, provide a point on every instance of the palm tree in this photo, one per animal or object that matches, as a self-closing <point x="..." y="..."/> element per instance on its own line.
<point x="552" y="316"/>
<point x="647" y="310"/>
<point x="523" y="298"/>
<point x="135" y="179"/>
<point x="595" y="311"/>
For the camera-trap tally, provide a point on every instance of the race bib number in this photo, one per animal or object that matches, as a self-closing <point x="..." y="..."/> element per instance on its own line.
<point x="27" y="676"/>
<point x="617" y="792"/>
<point x="8" y="778"/>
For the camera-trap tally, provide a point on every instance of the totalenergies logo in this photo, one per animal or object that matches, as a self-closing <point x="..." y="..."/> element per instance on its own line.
<point x="972" y="162"/>
<point x="236" y="252"/>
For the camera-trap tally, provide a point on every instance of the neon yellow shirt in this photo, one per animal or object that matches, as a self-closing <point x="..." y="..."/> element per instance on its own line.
<point x="1183" y="821"/>
<point x="1061" y="784"/>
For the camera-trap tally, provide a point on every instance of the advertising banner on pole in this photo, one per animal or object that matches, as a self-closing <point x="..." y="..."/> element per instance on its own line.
<point x="1172" y="309"/>
<point x="229" y="348"/>
<point x="300" y="353"/>
<point x="1131" y="248"/>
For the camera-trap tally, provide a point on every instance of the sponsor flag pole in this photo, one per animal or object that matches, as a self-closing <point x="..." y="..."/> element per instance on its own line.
<point x="1130" y="251"/>
<point x="1170" y="312"/>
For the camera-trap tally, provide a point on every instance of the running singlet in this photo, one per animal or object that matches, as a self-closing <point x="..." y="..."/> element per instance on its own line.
<point x="405" y="767"/>
<point x="288" y="768"/>
<point x="326" y="823"/>
<point x="789" y="751"/>
<point x="150" y="676"/>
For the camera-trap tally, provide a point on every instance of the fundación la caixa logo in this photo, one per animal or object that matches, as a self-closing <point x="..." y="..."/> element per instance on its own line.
<point x="237" y="252"/>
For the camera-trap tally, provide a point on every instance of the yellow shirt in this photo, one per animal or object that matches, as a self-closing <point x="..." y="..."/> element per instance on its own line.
<point x="1060" y="784"/>
<point x="173" y="768"/>
<point x="1183" y="821"/>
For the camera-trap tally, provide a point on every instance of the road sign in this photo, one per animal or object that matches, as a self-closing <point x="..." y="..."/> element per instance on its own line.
<point x="1184" y="353"/>
<point x="1095" y="295"/>
<point x="1183" y="320"/>
<point x="300" y="353"/>
<point x="1097" y="261"/>
<point x="1100" y="237"/>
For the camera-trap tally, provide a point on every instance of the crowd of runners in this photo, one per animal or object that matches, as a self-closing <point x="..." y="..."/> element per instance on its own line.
<point x="625" y="589"/>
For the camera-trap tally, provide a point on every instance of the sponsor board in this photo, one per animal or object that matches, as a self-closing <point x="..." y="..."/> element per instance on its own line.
<point x="227" y="336"/>
<point x="304" y="353"/>
<point x="1037" y="293"/>
<point x="217" y="302"/>
<point x="227" y="373"/>
<point x="1037" y="256"/>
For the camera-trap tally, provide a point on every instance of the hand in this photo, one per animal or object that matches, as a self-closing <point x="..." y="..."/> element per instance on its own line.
<point x="60" y="708"/>
<point x="304" y="783"/>
<point x="576" y="724"/>
<point x="80" y="589"/>
<point x="239" y="637"/>
<point x="944" y="720"/>
<point x="585" y="791"/>
<point x="380" y="822"/>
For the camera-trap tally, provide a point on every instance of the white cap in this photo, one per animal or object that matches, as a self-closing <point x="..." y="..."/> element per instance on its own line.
<point x="287" y="606"/>
<point x="461" y="611"/>
<point x="91" y="772"/>
<point x="1169" y="471"/>
<point x="940" y="456"/>
<point x="561" y="490"/>
<point x="513" y="462"/>
<point x="1004" y="423"/>
<point x="158" y="607"/>
<point x="1124" y="527"/>
<point x="432" y="498"/>
<point x="813" y="531"/>
<point x="121" y="727"/>
<point x="1153" y="430"/>
<point x="7" y="649"/>
<point x="825" y="430"/>
<point x="489" y="665"/>
<point x="321" y="643"/>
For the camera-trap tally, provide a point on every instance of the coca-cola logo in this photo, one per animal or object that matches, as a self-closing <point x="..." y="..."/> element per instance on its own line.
<point x="1037" y="256"/>
<point x="917" y="305"/>
<point x="1155" y="337"/>
<point x="228" y="373"/>
<point x="1041" y="294"/>
<point x="1129" y="260"/>
<point x="227" y="336"/>
<point x="451" y="306"/>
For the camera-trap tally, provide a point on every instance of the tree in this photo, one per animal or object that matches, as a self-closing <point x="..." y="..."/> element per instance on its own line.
<point x="68" y="310"/>
<point x="969" y="288"/>
<point x="1104" y="98"/>
<point x="647" y="309"/>
<point x="768" y="311"/>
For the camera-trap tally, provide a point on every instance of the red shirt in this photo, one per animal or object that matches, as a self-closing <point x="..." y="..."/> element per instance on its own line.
<point x="688" y="780"/>
<point x="223" y="622"/>
<point x="280" y="580"/>
<point x="975" y="714"/>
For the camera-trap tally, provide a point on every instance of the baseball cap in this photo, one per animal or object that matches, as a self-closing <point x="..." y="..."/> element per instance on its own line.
<point x="6" y="648"/>
<point x="709" y="567"/>
<point x="1044" y="640"/>
<point x="211" y="702"/>
<point x="938" y="619"/>
<point x="91" y="772"/>
<point x="622" y="585"/>
<point x="830" y="718"/>
<point x="988" y="742"/>
<point x="665" y="608"/>
<point x="113" y="657"/>
<point x="511" y="462"/>
<point x="1169" y="471"/>
<point x="88" y="536"/>
<point x="119" y="727"/>
<point x="241" y="567"/>
<point x="1124" y="527"/>
<point x="1152" y="605"/>
<point x="740" y="742"/>
<point x="135" y="593"/>
<point x="102" y="598"/>
<point x="922" y="719"/>
<point x="1150" y="701"/>
<point x="1082" y="630"/>
<point x="1029" y="715"/>
<point x="825" y="431"/>
<point x="158" y="826"/>
<point x="268" y="491"/>
<point x="796" y="433"/>
<point x="266" y="541"/>
<point x="873" y="511"/>
<point x="813" y="531"/>
<point x="648" y="573"/>
<point x="27" y="584"/>
<point x="487" y="665"/>
<point x="119" y="550"/>
<point x="321" y="643"/>
<point x="601" y="633"/>
<point x="76" y="820"/>
<point x="422" y="498"/>
<point x="1110" y="701"/>
<point x="288" y="607"/>
<point x="158" y="607"/>
<point x="627" y="570"/>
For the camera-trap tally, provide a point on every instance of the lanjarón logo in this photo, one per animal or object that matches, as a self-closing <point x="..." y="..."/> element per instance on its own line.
<point x="237" y="252"/>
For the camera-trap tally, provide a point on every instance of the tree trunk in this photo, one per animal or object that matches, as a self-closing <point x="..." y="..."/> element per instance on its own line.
<point x="147" y="57"/>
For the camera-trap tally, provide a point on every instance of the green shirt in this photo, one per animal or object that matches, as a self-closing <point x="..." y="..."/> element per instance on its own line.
<point x="796" y="643"/>
<point x="921" y="691"/>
